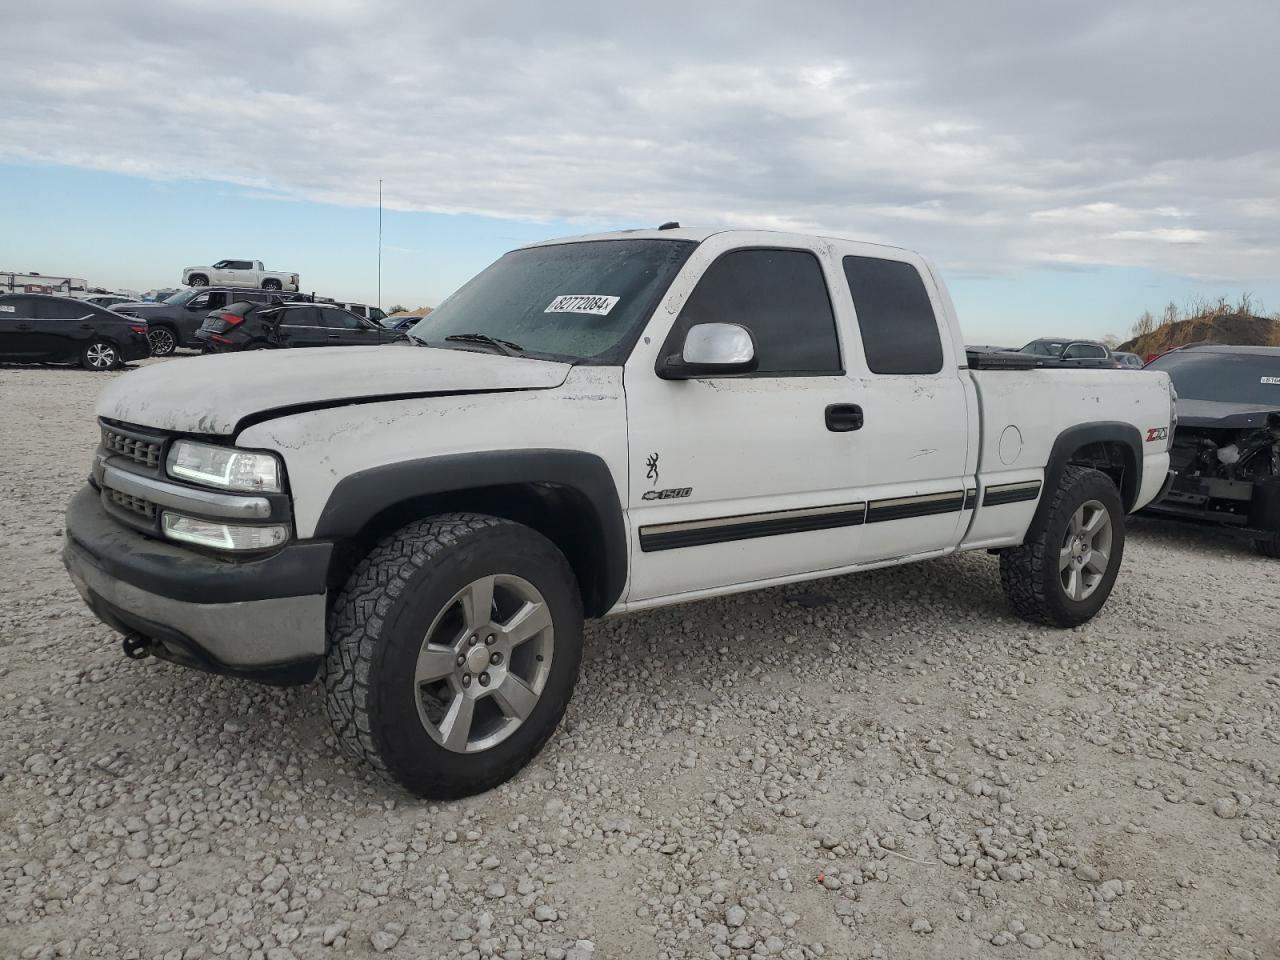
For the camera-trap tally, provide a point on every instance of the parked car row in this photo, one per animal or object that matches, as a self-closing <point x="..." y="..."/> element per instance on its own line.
<point x="40" y="328"/>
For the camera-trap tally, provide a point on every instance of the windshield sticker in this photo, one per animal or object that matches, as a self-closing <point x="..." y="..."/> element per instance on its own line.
<point x="6" y="308"/>
<point x="1275" y="380"/>
<point x="582" y="303"/>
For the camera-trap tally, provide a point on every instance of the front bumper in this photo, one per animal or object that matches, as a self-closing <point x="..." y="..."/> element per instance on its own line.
<point x="260" y="619"/>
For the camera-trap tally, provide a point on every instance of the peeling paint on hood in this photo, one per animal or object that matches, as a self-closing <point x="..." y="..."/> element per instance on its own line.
<point x="213" y="394"/>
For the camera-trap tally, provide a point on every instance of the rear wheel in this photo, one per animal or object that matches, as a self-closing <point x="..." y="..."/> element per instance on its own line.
<point x="453" y="650"/>
<point x="1063" y="572"/>
<point x="162" y="341"/>
<point x="99" y="355"/>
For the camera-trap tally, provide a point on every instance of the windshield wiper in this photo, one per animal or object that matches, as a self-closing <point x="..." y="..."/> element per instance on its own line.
<point x="505" y="347"/>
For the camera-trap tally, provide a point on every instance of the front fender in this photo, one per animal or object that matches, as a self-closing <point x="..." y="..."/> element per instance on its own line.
<point x="360" y="497"/>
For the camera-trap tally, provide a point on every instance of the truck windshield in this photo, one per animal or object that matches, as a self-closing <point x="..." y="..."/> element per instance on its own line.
<point x="1229" y="377"/>
<point x="570" y="301"/>
<point x="182" y="296"/>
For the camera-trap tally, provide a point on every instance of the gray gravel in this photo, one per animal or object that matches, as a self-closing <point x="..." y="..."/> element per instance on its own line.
<point x="885" y="765"/>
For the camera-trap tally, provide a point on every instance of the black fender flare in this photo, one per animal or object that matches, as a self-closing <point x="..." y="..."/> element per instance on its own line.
<point x="1082" y="435"/>
<point x="360" y="497"/>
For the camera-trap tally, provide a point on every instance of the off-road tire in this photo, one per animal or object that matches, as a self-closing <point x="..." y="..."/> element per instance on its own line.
<point x="197" y="280"/>
<point x="377" y="626"/>
<point x="1029" y="573"/>
<point x="1268" y="547"/>
<point x="270" y="284"/>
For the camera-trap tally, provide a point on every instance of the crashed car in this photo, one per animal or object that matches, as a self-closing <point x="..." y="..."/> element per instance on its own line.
<point x="1225" y="457"/>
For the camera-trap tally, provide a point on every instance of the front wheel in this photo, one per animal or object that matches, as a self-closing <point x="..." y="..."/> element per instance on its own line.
<point x="99" y="355"/>
<point x="270" y="284"/>
<point x="198" y="280"/>
<point x="1063" y="572"/>
<point x="453" y="650"/>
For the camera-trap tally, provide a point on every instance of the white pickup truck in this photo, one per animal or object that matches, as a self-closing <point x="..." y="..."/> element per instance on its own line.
<point x="590" y="426"/>
<point x="240" y="273"/>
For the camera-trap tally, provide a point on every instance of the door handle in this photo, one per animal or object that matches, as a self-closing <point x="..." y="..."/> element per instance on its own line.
<point x="334" y="336"/>
<point x="843" y="417"/>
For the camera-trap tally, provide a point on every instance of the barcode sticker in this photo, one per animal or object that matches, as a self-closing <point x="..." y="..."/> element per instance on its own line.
<point x="1275" y="380"/>
<point x="582" y="303"/>
<point x="7" y="308"/>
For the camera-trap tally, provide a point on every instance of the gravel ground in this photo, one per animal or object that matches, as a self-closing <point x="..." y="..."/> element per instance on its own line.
<point x="885" y="765"/>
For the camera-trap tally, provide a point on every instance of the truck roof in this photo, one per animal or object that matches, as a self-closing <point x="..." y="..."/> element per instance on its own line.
<point x="696" y="234"/>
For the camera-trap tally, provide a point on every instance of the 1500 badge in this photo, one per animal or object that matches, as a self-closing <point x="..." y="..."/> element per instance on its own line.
<point x="672" y="493"/>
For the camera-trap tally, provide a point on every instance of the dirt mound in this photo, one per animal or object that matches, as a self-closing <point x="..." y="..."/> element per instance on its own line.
<point x="1236" y="329"/>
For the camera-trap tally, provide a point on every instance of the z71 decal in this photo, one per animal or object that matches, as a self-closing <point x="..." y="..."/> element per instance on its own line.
<point x="1157" y="433"/>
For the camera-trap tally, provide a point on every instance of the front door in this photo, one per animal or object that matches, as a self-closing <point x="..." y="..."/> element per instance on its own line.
<point x="741" y="479"/>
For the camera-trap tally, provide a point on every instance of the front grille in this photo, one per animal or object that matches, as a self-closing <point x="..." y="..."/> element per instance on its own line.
<point x="141" y="450"/>
<point x="126" y="501"/>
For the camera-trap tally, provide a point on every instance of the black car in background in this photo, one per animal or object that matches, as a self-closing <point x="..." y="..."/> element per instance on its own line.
<point x="173" y="323"/>
<point x="35" y="328"/>
<point x="257" y="326"/>
<point x="1225" y="455"/>
<point x="1067" y="352"/>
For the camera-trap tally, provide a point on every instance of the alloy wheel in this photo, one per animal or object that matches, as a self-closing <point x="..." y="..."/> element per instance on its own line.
<point x="101" y="356"/>
<point x="484" y="663"/>
<point x="162" y="342"/>
<point x="1086" y="550"/>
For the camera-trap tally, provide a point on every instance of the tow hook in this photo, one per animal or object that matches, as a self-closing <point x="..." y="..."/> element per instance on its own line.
<point x="136" y="646"/>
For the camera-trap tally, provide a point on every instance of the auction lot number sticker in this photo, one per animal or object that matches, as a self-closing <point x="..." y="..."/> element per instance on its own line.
<point x="582" y="303"/>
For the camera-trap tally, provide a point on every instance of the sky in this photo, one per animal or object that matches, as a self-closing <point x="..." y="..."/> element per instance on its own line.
<point x="1067" y="166"/>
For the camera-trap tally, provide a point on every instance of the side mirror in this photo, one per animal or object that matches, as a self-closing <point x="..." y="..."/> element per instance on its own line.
<point x="711" y="349"/>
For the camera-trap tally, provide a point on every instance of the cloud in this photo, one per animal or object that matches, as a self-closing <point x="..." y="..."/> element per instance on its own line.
<point x="990" y="135"/>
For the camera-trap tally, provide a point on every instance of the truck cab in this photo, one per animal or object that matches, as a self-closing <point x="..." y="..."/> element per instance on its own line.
<point x="589" y="427"/>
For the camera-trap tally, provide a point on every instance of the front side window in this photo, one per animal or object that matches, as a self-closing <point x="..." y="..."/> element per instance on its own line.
<point x="896" y="320"/>
<point x="221" y="264"/>
<point x="580" y="302"/>
<point x="338" y="319"/>
<point x="781" y="297"/>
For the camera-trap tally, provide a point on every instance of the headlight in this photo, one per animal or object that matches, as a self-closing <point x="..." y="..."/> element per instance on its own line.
<point x="222" y="536"/>
<point x="225" y="467"/>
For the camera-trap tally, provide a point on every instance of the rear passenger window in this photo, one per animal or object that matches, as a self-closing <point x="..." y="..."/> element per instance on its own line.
<point x="899" y="330"/>
<point x="781" y="297"/>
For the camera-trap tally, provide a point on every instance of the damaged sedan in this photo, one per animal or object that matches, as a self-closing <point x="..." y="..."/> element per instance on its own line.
<point x="1225" y="458"/>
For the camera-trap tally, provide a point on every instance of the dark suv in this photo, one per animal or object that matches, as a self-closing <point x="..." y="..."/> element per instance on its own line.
<point x="35" y="328"/>
<point x="174" y="322"/>
<point x="1066" y="352"/>
<point x="257" y="326"/>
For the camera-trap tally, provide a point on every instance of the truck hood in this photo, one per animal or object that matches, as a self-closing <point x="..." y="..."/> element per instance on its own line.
<point x="1223" y="414"/>
<point x="215" y="394"/>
